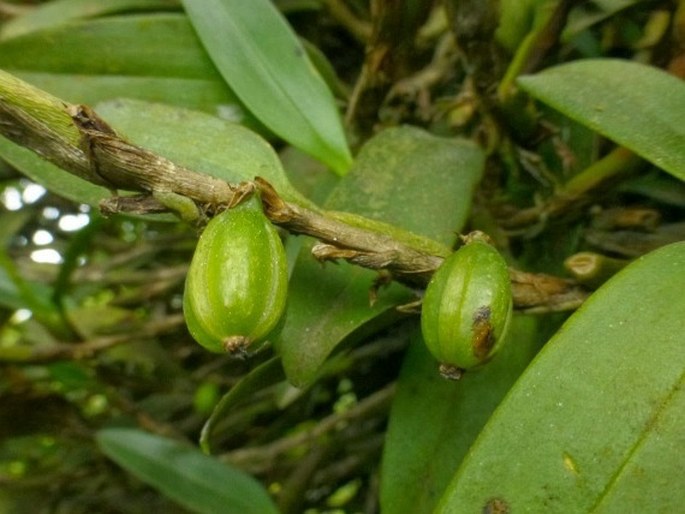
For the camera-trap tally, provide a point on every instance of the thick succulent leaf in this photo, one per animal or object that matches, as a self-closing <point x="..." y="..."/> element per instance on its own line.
<point x="59" y="12"/>
<point x="595" y="422"/>
<point x="264" y="62"/>
<point x="196" y="481"/>
<point x="153" y="57"/>
<point x="638" y="106"/>
<point x="433" y="421"/>
<point x="398" y="168"/>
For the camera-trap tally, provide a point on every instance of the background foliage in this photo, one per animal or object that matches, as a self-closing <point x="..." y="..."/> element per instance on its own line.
<point x="553" y="125"/>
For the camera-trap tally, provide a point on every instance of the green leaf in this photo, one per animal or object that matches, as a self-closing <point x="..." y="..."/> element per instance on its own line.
<point x="595" y="423"/>
<point x="415" y="180"/>
<point x="203" y="94"/>
<point x="95" y="60"/>
<point x="638" y="106"/>
<point x="433" y="421"/>
<point x="113" y="46"/>
<point x="587" y="14"/>
<point x="200" y="142"/>
<point x="325" y="306"/>
<point x="399" y="167"/>
<point x="10" y="297"/>
<point x="183" y="473"/>
<point x="518" y="18"/>
<point x="59" y="12"/>
<point x="264" y="62"/>
<point x="11" y="222"/>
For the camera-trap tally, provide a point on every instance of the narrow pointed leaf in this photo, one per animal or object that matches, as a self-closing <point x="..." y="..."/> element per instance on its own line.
<point x="595" y="422"/>
<point x="196" y="481"/>
<point x="637" y="106"/>
<point x="263" y="61"/>
<point x="59" y="12"/>
<point x="89" y="61"/>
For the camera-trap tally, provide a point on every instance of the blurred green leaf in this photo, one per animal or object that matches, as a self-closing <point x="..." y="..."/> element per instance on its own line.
<point x="156" y="45"/>
<point x="59" y="12"/>
<point x="153" y="57"/>
<point x="404" y="176"/>
<point x="183" y="473"/>
<point x="587" y="14"/>
<point x="433" y="421"/>
<point x="595" y="422"/>
<point x="10" y="297"/>
<point x="50" y="176"/>
<point x="518" y="18"/>
<point x="264" y="375"/>
<point x="264" y="62"/>
<point x="656" y="186"/>
<point x="18" y="293"/>
<point x="638" y="106"/>
<point x="10" y="223"/>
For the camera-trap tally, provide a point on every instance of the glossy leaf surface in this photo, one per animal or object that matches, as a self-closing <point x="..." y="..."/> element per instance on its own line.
<point x="183" y="473"/>
<point x="595" y="422"/>
<point x="638" y="106"/>
<point x="262" y="60"/>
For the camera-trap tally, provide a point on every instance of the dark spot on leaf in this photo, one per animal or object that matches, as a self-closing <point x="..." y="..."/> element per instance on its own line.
<point x="496" y="506"/>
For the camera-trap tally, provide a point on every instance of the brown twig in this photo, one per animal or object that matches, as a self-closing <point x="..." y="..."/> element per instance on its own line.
<point x="107" y="159"/>
<point x="359" y="28"/>
<point x="378" y="401"/>
<point x="88" y="349"/>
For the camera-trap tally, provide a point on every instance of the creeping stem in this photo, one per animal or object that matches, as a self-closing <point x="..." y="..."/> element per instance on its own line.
<point x="77" y="140"/>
